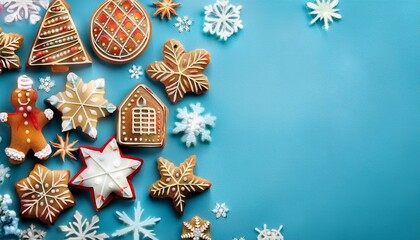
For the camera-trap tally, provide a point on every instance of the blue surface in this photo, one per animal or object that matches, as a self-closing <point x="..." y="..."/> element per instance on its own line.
<point x="319" y="131"/>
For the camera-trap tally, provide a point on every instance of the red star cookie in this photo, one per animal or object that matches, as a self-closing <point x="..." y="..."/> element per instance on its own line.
<point x="106" y="173"/>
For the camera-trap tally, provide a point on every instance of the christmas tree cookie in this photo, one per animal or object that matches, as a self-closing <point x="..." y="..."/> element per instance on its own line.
<point x="57" y="43"/>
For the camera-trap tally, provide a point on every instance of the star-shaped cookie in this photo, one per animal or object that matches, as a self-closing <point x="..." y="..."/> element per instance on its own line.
<point x="44" y="194"/>
<point x="177" y="182"/>
<point x="196" y="229"/>
<point x="9" y="43"/>
<point x="82" y="104"/>
<point x="166" y="8"/>
<point x="106" y="173"/>
<point x="64" y="148"/>
<point x="181" y="72"/>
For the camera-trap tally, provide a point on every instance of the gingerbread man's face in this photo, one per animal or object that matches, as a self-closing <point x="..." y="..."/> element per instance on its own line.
<point x="23" y="98"/>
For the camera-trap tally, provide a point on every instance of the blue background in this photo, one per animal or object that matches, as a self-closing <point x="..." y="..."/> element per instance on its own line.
<point x="319" y="131"/>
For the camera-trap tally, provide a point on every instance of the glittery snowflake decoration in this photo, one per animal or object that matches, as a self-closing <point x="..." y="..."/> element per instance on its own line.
<point x="23" y="9"/>
<point x="183" y="24"/>
<point x="46" y="84"/>
<point x="269" y="234"/>
<point x="222" y="19"/>
<point x="83" y="229"/>
<point x="4" y="173"/>
<point x="32" y="233"/>
<point x="324" y="10"/>
<point x="220" y="210"/>
<point x="8" y="218"/>
<point x="193" y="124"/>
<point x="136" y="225"/>
<point x="136" y="71"/>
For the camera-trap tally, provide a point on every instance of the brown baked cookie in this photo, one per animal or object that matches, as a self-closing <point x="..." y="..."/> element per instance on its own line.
<point x="196" y="229"/>
<point x="142" y="119"/>
<point x="57" y="43"/>
<point x="9" y="43"/>
<point x="44" y="194"/>
<point x="177" y="182"/>
<point x="120" y="31"/>
<point x="180" y="71"/>
<point x="26" y="124"/>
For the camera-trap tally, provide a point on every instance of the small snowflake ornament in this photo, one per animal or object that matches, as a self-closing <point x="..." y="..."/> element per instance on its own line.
<point x="83" y="229"/>
<point x="222" y="19"/>
<point x="137" y="226"/>
<point x="23" y="9"/>
<point x="193" y="124"/>
<point x="183" y="24"/>
<point x="220" y="210"/>
<point x="136" y="71"/>
<point x="46" y="84"/>
<point x="4" y="173"/>
<point x="32" y="233"/>
<point x="269" y="234"/>
<point x="324" y="10"/>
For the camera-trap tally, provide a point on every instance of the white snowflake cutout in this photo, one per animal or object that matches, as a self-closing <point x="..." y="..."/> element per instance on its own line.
<point x="194" y="124"/>
<point x="136" y="71"/>
<point x="136" y="225"/>
<point x="220" y="210"/>
<point x="46" y="84"/>
<point x="83" y="229"/>
<point x="222" y="19"/>
<point x="4" y="173"/>
<point x="183" y="24"/>
<point x="269" y="234"/>
<point x="32" y="233"/>
<point x="324" y="10"/>
<point x="23" y="9"/>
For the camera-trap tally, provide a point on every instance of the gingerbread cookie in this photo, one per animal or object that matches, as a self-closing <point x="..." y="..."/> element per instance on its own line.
<point x="196" y="229"/>
<point x="9" y="43"/>
<point x="142" y="119"/>
<point x="120" y="31"/>
<point x="57" y="43"/>
<point x="166" y="8"/>
<point x="179" y="71"/>
<point x="44" y="194"/>
<point x="82" y="104"/>
<point x="178" y="182"/>
<point x="26" y="124"/>
<point x="106" y="173"/>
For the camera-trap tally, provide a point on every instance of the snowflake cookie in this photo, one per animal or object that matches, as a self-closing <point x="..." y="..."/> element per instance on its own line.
<point x="222" y="19"/>
<point x="180" y="71"/>
<point x="324" y="10"/>
<point x="8" y="218"/>
<point x="28" y="9"/>
<point x="193" y="124"/>
<point x="46" y="84"/>
<point x="183" y="24"/>
<point x="177" y="182"/>
<point x="106" y="173"/>
<point x="82" y="104"/>
<point x="44" y="194"/>
<point x="269" y="234"/>
<point x="220" y="210"/>
<point x="83" y="229"/>
<point x="32" y="233"/>
<point x="136" y="71"/>
<point x="136" y="225"/>
<point x="4" y="173"/>
<point x="196" y="229"/>
<point x="9" y="43"/>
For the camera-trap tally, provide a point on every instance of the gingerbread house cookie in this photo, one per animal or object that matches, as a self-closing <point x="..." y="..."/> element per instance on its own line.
<point x="142" y="119"/>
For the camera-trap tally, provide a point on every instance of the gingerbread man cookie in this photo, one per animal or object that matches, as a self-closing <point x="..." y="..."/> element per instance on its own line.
<point x="26" y="124"/>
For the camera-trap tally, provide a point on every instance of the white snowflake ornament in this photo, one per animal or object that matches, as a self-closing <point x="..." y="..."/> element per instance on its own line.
<point x="220" y="210"/>
<point x="222" y="19"/>
<point x="136" y="225"/>
<point x="32" y="233"/>
<point x="324" y="10"/>
<point x="46" y="84"/>
<point x="23" y="9"/>
<point x="136" y="71"/>
<point x="269" y="234"/>
<point x="4" y="173"/>
<point x="194" y="124"/>
<point x="183" y="24"/>
<point x="83" y="229"/>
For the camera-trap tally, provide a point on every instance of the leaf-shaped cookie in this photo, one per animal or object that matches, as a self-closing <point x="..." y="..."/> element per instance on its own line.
<point x="179" y="71"/>
<point x="9" y="43"/>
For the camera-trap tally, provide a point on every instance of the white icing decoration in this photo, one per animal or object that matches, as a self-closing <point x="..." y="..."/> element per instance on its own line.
<point x="324" y="10"/>
<point x="269" y="234"/>
<point x="82" y="229"/>
<point x="197" y="231"/>
<point x="220" y="210"/>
